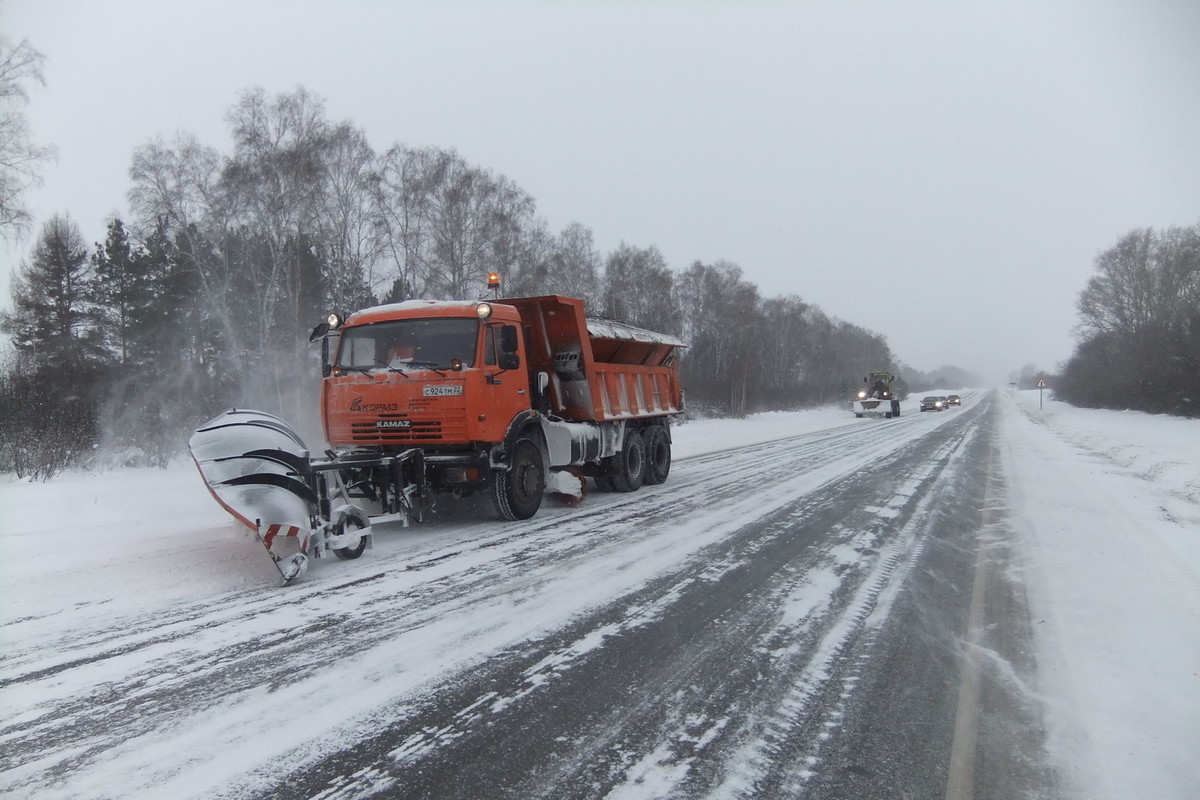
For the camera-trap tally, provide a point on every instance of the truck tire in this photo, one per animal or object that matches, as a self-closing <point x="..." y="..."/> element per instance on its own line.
<point x="658" y="454"/>
<point x="628" y="467"/>
<point x="348" y="553"/>
<point x="517" y="491"/>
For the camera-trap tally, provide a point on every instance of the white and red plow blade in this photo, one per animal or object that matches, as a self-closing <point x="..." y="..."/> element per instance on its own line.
<point x="257" y="468"/>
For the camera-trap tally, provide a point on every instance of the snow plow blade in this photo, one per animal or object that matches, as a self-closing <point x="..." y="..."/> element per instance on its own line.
<point x="258" y="469"/>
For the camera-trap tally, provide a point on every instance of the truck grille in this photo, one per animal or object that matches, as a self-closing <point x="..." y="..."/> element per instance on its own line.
<point x="400" y="428"/>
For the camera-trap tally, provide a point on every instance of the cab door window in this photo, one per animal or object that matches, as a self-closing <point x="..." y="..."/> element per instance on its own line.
<point x="489" y="346"/>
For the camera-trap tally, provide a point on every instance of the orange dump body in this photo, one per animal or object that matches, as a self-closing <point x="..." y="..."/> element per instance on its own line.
<point x="599" y="370"/>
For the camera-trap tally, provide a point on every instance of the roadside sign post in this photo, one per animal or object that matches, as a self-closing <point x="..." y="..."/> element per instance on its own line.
<point x="1041" y="385"/>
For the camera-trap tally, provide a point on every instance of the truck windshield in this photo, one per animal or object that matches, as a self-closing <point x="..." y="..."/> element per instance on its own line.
<point x="409" y="344"/>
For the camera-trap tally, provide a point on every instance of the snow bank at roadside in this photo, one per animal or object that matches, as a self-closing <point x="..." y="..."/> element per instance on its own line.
<point x="1107" y="512"/>
<point x="1155" y="447"/>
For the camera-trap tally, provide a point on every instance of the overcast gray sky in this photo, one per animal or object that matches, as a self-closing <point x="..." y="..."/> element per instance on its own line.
<point x="943" y="173"/>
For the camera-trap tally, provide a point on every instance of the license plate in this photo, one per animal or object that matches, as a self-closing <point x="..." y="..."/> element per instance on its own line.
<point x="439" y="390"/>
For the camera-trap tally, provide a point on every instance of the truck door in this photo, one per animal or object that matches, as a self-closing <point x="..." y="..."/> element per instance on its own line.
<point x="506" y="382"/>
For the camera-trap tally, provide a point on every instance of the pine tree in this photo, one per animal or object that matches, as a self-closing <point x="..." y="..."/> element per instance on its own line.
<point x="117" y="290"/>
<point x="59" y="352"/>
<point x="53" y="323"/>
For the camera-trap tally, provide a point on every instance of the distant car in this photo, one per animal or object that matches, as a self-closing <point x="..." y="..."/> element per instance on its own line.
<point x="953" y="400"/>
<point x="932" y="403"/>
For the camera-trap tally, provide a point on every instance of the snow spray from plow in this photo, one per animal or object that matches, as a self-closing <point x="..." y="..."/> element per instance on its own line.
<point x="260" y="471"/>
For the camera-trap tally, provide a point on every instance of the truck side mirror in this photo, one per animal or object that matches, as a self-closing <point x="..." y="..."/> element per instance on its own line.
<point x="328" y="344"/>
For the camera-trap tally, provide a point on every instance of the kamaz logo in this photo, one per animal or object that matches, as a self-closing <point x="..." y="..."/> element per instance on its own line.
<point x="393" y="423"/>
<point x="358" y="405"/>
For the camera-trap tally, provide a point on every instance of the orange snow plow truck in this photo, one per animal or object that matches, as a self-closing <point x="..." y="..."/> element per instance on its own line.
<point x="427" y="398"/>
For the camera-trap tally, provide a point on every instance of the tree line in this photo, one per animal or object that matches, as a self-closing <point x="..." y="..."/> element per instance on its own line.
<point x="202" y="299"/>
<point x="1139" y="327"/>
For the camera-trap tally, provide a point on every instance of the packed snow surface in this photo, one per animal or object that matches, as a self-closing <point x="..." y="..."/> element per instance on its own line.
<point x="1105" y="505"/>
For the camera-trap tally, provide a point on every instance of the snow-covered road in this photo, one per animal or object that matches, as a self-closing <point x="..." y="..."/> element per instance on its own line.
<point x="778" y="619"/>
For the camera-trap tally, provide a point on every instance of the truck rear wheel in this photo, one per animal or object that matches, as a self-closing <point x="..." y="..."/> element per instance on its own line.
<point x="628" y="467"/>
<point x="517" y="491"/>
<point x="658" y="454"/>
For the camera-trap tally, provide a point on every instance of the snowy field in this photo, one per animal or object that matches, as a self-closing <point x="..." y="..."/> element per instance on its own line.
<point x="1105" y="506"/>
<point x="1108" y="507"/>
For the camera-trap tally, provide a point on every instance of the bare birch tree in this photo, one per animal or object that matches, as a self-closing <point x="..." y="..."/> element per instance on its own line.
<point x="20" y="158"/>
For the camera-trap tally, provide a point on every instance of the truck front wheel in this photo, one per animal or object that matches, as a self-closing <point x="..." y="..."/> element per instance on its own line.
<point x="517" y="491"/>
<point x="628" y="467"/>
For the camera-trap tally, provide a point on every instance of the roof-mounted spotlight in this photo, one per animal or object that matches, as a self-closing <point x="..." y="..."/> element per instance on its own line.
<point x="483" y="310"/>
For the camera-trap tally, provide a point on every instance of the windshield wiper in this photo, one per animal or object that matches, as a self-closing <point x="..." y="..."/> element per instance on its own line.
<point x="432" y="365"/>
<point x="390" y="368"/>
<point x="367" y="370"/>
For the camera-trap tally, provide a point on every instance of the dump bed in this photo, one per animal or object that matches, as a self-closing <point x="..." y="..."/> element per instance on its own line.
<point x="600" y="370"/>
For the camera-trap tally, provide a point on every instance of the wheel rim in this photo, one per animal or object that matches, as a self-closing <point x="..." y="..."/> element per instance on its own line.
<point x="525" y="480"/>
